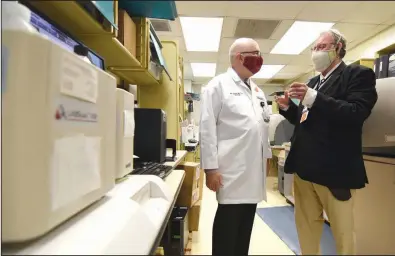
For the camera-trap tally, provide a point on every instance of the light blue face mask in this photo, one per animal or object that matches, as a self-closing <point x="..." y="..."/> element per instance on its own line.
<point x="296" y="101"/>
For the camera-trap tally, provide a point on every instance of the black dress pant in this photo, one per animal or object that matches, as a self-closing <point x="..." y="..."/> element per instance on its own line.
<point x="232" y="229"/>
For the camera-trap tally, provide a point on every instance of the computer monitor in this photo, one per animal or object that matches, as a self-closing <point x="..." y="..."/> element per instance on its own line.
<point x="59" y="36"/>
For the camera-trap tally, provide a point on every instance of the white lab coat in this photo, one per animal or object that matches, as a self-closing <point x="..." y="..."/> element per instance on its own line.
<point x="234" y="137"/>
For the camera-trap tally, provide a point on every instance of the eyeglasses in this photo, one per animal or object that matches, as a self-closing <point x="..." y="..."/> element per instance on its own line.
<point x="320" y="47"/>
<point x="257" y="53"/>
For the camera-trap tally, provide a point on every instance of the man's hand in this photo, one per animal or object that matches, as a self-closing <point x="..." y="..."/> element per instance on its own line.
<point x="214" y="180"/>
<point x="283" y="102"/>
<point x="298" y="91"/>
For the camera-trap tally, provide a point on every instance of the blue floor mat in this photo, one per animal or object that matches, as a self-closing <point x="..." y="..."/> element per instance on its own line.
<point x="282" y="221"/>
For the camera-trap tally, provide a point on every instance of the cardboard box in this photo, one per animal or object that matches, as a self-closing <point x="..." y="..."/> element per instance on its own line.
<point x="127" y="33"/>
<point x="194" y="216"/>
<point x="273" y="167"/>
<point x="189" y="193"/>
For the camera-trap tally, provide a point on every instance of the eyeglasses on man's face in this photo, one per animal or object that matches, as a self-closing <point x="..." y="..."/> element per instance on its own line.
<point x="255" y="53"/>
<point x="322" y="46"/>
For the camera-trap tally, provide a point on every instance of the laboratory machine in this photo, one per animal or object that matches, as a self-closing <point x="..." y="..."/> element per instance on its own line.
<point x="378" y="135"/>
<point x="125" y="132"/>
<point x="58" y="134"/>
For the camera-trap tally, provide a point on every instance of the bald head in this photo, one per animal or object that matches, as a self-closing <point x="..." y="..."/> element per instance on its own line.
<point x="242" y="45"/>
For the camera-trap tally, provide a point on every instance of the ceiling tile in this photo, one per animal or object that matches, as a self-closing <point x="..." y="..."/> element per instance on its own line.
<point x="296" y="69"/>
<point x="277" y="59"/>
<point x="265" y="9"/>
<point x="202" y="9"/>
<point x="229" y="27"/>
<point x="176" y="30"/>
<point x="281" y="29"/>
<point x="372" y="12"/>
<point x="390" y="21"/>
<point x="353" y="31"/>
<point x="304" y="60"/>
<point x="287" y="76"/>
<point x="259" y="82"/>
<point x="203" y="57"/>
<point x="368" y="34"/>
<point x="326" y="11"/>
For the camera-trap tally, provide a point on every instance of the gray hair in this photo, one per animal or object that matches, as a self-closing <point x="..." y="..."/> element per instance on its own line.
<point x="338" y="38"/>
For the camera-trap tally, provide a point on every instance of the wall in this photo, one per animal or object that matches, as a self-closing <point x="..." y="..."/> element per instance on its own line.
<point x="368" y="48"/>
<point x="187" y="86"/>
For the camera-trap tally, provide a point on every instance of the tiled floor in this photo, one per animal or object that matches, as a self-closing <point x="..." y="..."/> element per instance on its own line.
<point x="263" y="240"/>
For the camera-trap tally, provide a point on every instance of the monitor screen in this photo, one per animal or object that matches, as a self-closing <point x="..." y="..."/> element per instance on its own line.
<point x="59" y="37"/>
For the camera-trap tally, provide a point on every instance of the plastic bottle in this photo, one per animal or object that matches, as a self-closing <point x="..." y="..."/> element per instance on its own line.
<point x="16" y="16"/>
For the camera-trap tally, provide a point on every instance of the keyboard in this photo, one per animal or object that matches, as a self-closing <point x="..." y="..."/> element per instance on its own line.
<point x="151" y="168"/>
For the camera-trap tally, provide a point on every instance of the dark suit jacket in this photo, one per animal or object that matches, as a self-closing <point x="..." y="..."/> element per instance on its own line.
<point x="327" y="148"/>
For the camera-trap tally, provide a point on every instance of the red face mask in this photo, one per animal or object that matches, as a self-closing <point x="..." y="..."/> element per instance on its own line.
<point x="253" y="63"/>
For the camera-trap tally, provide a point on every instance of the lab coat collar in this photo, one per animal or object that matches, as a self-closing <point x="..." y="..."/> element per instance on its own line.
<point x="238" y="80"/>
<point x="253" y="86"/>
<point x="236" y="77"/>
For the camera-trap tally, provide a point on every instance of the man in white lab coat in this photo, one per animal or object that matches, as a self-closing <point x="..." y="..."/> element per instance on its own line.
<point x="234" y="147"/>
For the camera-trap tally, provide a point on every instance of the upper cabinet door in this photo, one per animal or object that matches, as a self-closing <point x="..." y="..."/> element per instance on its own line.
<point x="107" y="9"/>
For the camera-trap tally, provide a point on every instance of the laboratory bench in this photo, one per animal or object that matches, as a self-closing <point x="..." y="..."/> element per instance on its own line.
<point x="117" y="223"/>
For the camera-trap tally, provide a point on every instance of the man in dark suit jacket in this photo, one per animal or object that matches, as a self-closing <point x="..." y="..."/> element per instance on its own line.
<point x="326" y="151"/>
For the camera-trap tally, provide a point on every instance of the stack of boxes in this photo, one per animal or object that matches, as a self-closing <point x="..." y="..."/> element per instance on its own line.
<point x="191" y="193"/>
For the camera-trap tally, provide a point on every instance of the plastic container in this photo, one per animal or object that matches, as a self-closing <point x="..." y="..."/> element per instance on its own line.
<point x="16" y="17"/>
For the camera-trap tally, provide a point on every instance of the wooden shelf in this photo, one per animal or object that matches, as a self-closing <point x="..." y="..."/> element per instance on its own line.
<point x="119" y="60"/>
<point x="138" y="76"/>
<point x="83" y="26"/>
<point x="113" y="52"/>
<point x="70" y="15"/>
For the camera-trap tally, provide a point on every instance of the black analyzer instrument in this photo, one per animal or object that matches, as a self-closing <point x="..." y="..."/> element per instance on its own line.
<point x="150" y="135"/>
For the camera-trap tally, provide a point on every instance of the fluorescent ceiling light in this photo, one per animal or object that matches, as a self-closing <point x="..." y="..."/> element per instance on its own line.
<point x="268" y="71"/>
<point x="299" y="36"/>
<point x="201" y="34"/>
<point x="203" y="69"/>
